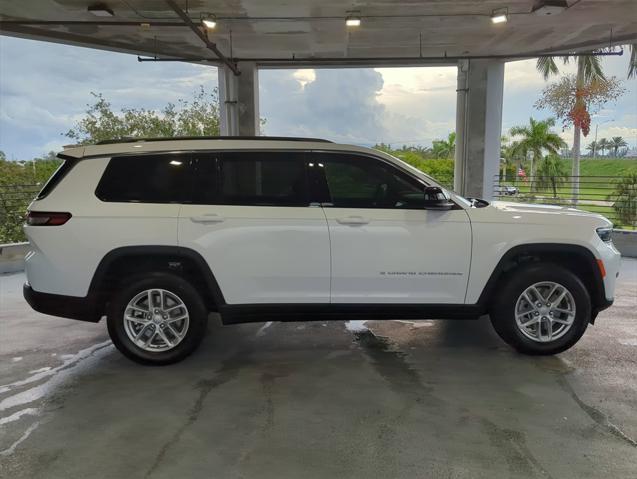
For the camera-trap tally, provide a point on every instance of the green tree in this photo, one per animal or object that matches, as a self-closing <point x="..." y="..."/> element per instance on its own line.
<point x="616" y="143"/>
<point x="625" y="200"/>
<point x="593" y="148"/>
<point x="196" y="117"/>
<point x="603" y="145"/>
<point x="535" y="139"/>
<point x="573" y="98"/>
<point x="551" y="173"/>
<point x="510" y="158"/>
<point x="445" y="148"/>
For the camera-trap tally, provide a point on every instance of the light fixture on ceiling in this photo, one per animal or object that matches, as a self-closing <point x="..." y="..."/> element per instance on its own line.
<point x="100" y="10"/>
<point x="209" y="21"/>
<point x="353" y="19"/>
<point x="549" y="7"/>
<point x="500" y="15"/>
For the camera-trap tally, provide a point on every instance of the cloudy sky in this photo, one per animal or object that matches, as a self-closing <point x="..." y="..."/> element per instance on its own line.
<point x="44" y="89"/>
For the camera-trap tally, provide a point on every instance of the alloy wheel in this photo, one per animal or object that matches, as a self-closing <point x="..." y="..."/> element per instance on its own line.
<point x="545" y="311"/>
<point x="156" y="320"/>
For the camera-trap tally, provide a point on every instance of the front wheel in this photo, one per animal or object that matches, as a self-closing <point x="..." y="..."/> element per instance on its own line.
<point x="158" y="318"/>
<point x="542" y="308"/>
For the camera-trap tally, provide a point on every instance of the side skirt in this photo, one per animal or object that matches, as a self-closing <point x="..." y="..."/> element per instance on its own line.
<point x="254" y="313"/>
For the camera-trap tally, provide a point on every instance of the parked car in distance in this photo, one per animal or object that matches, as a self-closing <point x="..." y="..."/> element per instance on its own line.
<point x="155" y="234"/>
<point x="511" y="190"/>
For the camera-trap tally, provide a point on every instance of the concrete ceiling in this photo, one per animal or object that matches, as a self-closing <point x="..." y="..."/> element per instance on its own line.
<point x="315" y="29"/>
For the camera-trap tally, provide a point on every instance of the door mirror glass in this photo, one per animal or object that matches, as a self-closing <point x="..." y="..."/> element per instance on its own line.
<point x="435" y="199"/>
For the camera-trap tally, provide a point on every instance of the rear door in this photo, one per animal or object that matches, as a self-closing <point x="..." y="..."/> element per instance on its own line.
<point x="252" y="221"/>
<point x="386" y="248"/>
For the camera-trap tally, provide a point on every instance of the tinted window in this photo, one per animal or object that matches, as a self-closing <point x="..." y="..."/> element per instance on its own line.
<point x="254" y="178"/>
<point x="359" y="182"/>
<point x="55" y="179"/>
<point x="145" y="179"/>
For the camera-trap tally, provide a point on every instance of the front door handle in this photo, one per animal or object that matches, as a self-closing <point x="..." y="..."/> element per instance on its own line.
<point x="352" y="220"/>
<point x="207" y="218"/>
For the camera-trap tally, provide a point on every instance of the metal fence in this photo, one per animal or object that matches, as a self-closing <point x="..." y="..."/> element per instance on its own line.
<point x="14" y="200"/>
<point x="615" y="197"/>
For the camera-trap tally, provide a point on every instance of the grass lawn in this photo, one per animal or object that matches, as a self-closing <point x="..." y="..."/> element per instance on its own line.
<point x="597" y="178"/>
<point x="607" y="167"/>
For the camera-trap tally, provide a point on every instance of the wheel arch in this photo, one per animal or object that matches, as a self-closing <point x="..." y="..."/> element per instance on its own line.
<point x="576" y="258"/>
<point x="185" y="262"/>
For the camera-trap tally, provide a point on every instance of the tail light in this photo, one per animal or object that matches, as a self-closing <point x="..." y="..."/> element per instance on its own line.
<point x="41" y="218"/>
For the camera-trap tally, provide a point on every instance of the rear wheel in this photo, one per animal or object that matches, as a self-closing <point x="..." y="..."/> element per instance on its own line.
<point x="158" y="318"/>
<point x="541" y="308"/>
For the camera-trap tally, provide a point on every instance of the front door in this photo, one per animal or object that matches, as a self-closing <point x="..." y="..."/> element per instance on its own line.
<point x="385" y="247"/>
<point x="252" y="221"/>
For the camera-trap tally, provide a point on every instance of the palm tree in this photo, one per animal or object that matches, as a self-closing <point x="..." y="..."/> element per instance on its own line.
<point x="551" y="173"/>
<point x="445" y="148"/>
<point x="589" y="72"/>
<point x="616" y="143"/>
<point x="535" y="139"/>
<point x="603" y="144"/>
<point x="509" y="153"/>
<point x="593" y="148"/>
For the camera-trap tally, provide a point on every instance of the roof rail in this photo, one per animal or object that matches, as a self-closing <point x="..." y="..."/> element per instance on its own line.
<point x="255" y="138"/>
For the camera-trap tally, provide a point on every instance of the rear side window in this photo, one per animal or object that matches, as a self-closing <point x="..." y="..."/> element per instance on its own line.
<point x="253" y="179"/>
<point x="146" y="179"/>
<point x="56" y="177"/>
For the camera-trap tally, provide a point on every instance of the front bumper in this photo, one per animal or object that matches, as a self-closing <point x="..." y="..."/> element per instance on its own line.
<point x="73" y="307"/>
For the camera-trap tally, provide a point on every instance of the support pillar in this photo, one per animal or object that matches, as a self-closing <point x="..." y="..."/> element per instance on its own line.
<point x="478" y="126"/>
<point x="239" y="100"/>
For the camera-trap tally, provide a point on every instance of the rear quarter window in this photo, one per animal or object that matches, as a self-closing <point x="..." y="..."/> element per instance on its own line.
<point x="146" y="179"/>
<point x="55" y="178"/>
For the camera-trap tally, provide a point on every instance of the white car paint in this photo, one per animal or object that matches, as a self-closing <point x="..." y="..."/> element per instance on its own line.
<point x="261" y="254"/>
<point x="393" y="256"/>
<point x="300" y="254"/>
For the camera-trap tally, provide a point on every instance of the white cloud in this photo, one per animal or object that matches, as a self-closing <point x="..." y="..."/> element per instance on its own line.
<point x="44" y="89"/>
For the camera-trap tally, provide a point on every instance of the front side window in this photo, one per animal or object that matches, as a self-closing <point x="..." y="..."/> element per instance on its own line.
<point x="262" y="179"/>
<point x="361" y="182"/>
<point x="145" y="179"/>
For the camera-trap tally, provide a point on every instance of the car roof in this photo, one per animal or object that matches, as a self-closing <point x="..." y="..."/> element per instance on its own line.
<point x="164" y="145"/>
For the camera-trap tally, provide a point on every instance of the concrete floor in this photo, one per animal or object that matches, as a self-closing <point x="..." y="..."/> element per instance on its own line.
<point x="315" y="400"/>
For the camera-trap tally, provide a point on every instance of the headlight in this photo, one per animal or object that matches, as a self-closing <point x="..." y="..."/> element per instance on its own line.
<point x="605" y="234"/>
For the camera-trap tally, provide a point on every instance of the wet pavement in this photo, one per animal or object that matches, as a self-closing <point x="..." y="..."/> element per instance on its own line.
<point x="314" y="400"/>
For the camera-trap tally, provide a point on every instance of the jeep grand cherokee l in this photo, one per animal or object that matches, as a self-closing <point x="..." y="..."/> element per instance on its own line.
<point x="155" y="234"/>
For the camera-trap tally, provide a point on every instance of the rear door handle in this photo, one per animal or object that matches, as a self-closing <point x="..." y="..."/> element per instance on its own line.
<point x="207" y="218"/>
<point x="352" y="220"/>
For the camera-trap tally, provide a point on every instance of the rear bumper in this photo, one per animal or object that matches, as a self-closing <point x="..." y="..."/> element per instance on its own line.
<point x="72" y="307"/>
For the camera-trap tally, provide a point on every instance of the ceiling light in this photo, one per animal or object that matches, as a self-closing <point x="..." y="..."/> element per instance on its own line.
<point x="100" y="10"/>
<point x="549" y="7"/>
<point x="209" y="21"/>
<point x="500" y="15"/>
<point x="353" y="20"/>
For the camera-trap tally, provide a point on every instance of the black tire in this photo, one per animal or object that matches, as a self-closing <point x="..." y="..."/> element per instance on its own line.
<point x="514" y="284"/>
<point x="197" y="313"/>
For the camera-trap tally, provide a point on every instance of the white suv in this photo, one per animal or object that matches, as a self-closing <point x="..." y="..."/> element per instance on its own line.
<point x="154" y="234"/>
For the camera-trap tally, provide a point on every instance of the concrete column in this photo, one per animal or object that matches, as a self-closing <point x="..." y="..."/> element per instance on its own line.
<point x="239" y="100"/>
<point x="478" y="126"/>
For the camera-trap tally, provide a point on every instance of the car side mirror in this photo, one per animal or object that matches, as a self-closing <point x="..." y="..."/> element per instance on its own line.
<point x="435" y="199"/>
